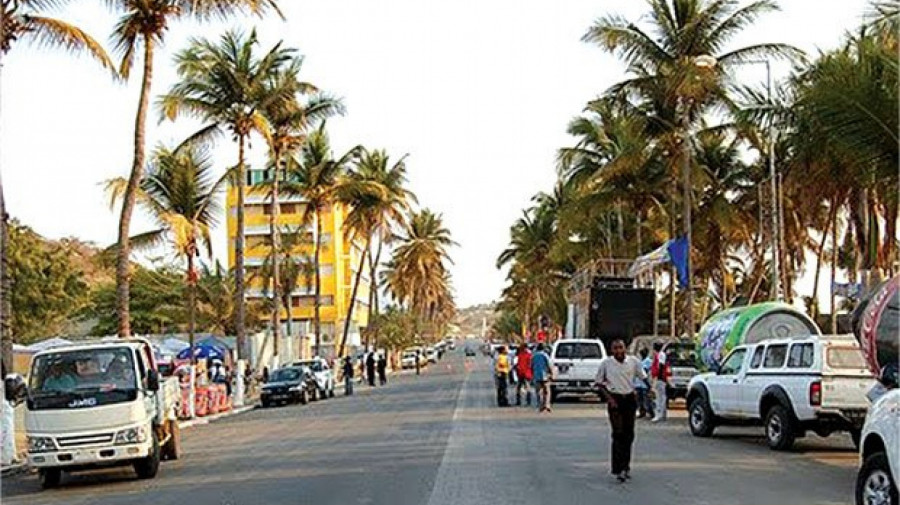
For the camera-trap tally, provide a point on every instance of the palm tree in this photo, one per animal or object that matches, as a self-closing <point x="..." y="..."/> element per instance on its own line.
<point x="289" y="122"/>
<point x="378" y="202"/>
<point x="315" y="175"/>
<point x="215" y="302"/>
<point x="24" y="21"/>
<point x="228" y="86"/>
<point x="144" y="23"/>
<point x="417" y="274"/>
<point x="180" y="193"/>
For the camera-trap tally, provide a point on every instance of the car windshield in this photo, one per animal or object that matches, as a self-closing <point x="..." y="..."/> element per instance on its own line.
<point x="286" y="375"/>
<point x="83" y="378"/>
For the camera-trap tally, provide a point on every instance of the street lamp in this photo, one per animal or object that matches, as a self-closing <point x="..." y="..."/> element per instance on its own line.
<point x="776" y="228"/>
<point x="702" y="62"/>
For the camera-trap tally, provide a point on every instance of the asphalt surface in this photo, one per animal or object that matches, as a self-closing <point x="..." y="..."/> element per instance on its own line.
<point x="438" y="439"/>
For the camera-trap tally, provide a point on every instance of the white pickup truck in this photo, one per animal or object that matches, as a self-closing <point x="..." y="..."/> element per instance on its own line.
<point x="575" y="363"/>
<point x="789" y="386"/>
<point x="99" y="403"/>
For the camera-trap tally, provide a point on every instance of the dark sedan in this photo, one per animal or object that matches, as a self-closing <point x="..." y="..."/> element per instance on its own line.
<point x="288" y="385"/>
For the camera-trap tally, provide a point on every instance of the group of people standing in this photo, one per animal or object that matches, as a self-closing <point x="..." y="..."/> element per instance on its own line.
<point x="525" y="370"/>
<point x="374" y="368"/>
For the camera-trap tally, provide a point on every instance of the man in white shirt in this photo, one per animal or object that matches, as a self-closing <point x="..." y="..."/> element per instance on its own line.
<point x="615" y="379"/>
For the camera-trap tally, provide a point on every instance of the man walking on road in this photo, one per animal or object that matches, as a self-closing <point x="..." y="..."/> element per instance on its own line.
<point x="370" y="368"/>
<point x="348" y="376"/>
<point x="642" y="389"/>
<point x="615" y="379"/>
<point x="542" y="374"/>
<point x="501" y="374"/>
<point x="659" y="380"/>
<point x="382" y="369"/>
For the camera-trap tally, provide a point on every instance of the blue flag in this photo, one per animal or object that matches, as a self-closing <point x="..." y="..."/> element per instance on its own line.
<point x="678" y="255"/>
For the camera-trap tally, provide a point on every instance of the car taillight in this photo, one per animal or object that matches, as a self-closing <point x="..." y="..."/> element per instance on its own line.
<point x="815" y="394"/>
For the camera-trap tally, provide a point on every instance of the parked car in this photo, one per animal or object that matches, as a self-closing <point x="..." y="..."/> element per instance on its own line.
<point x="879" y="472"/>
<point x="682" y="359"/>
<point x="431" y="354"/>
<point x="470" y="352"/>
<point x="575" y="363"/>
<point x="288" y="385"/>
<point x="323" y="375"/>
<point x="408" y="359"/>
<point x="790" y="386"/>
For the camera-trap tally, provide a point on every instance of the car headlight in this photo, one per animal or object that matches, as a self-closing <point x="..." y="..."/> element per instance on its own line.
<point x="137" y="435"/>
<point x="297" y="388"/>
<point x="41" y="444"/>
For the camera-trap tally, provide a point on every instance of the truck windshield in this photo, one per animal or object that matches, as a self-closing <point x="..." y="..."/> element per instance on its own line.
<point x="82" y="378"/>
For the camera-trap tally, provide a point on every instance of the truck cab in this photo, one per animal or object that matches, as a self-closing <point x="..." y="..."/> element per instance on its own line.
<point x="99" y="403"/>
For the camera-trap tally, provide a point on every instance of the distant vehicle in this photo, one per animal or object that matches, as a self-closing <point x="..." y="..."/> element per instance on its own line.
<point x="470" y="352"/>
<point x="288" y="385"/>
<point x="99" y="403"/>
<point x="451" y="343"/>
<point x="789" y="386"/>
<point x="431" y="354"/>
<point x="575" y="364"/>
<point x="409" y="357"/>
<point x="682" y="361"/>
<point x="322" y="373"/>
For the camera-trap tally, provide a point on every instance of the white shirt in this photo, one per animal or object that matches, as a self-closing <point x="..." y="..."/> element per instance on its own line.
<point x="618" y="377"/>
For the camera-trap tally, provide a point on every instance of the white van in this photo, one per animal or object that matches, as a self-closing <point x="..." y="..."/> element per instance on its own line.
<point x="575" y="363"/>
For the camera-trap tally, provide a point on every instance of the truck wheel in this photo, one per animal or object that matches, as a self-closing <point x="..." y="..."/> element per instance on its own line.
<point x="147" y="468"/>
<point x="874" y="484"/>
<point x="172" y="450"/>
<point x="701" y="418"/>
<point x="780" y="431"/>
<point x="50" y="478"/>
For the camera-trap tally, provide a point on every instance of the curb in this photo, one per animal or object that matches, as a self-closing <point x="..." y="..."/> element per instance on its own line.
<point x="15" y="469"/>
<point x="206" y="420"/>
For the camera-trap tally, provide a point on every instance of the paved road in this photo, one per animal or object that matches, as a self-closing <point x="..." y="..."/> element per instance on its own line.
<point x="438" y="440"/>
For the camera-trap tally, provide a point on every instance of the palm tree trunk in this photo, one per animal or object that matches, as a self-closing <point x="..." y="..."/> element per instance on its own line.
<point x="318" y="295"/>
<point x="821" y="252"/>
<point x="362" y="266"/>
<point x="239" y="307"/>
<point x="834" y="265"/>
<point x="276" y="261"/>
<point x="123" y="256"/>
<point x="6" y="340"/>
<point x="192" y="303"/>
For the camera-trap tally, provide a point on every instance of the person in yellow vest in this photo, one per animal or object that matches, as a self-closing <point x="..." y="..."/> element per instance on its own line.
<point x="501" y="373"/>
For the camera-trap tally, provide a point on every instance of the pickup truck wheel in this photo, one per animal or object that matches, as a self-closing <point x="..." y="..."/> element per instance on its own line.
<point x="172" y="450"/>
<point x="874" y="485"/>
<point x="701" y="418"/>
<point x="147" y="468"/>
<point x="780" y="431"/>
<point x="50" y="478"/>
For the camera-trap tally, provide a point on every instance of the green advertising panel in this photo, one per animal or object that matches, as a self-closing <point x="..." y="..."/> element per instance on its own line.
<point x="751" y="323"/>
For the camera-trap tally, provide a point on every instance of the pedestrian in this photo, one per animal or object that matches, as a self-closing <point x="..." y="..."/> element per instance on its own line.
<point x="501" y="374"/>
<point x="418" y="361"/>
<point x="348" y="376"/>
<point x="511" y="359"/>
<point x="642" y="388"/>
<point x="659" y="381"/>
<point x="615" y="380"/>
<point x="524" y="375"/>
<point x="265" y="374"/>
<point x="382" y="369"/>
<point x="370" y="368"/>
<point x="542" y="374"/>
<point x="646" y="364"/>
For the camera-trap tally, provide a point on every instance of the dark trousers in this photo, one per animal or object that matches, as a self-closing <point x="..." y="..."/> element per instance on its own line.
<point x="621" y="419"/>
<point x="382" y="376"/>
<point x="370" y="372"/>
<point x="502" y="398"/>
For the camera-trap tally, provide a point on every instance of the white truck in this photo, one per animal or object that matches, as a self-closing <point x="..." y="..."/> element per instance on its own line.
<point x="99" y="403"/>
<point x="790" y="386"/>
<point x="575" y="363"/>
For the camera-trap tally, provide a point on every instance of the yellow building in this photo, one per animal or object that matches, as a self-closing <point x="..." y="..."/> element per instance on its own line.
<point x="339" y="261"/>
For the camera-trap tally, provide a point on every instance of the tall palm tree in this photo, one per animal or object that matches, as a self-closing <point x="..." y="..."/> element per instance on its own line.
<point x="143" y="25"/>
<point x="378" y="201"/>
<point x="289" y="121"/>
<point x="227" y="85"/>
<point x="24" y="21"/>
<point x="180" y="193"/>
<point x="315" y="174"/>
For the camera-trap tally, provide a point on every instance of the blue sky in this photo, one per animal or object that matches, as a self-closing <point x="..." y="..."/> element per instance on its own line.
<point x="477" y="92"/>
